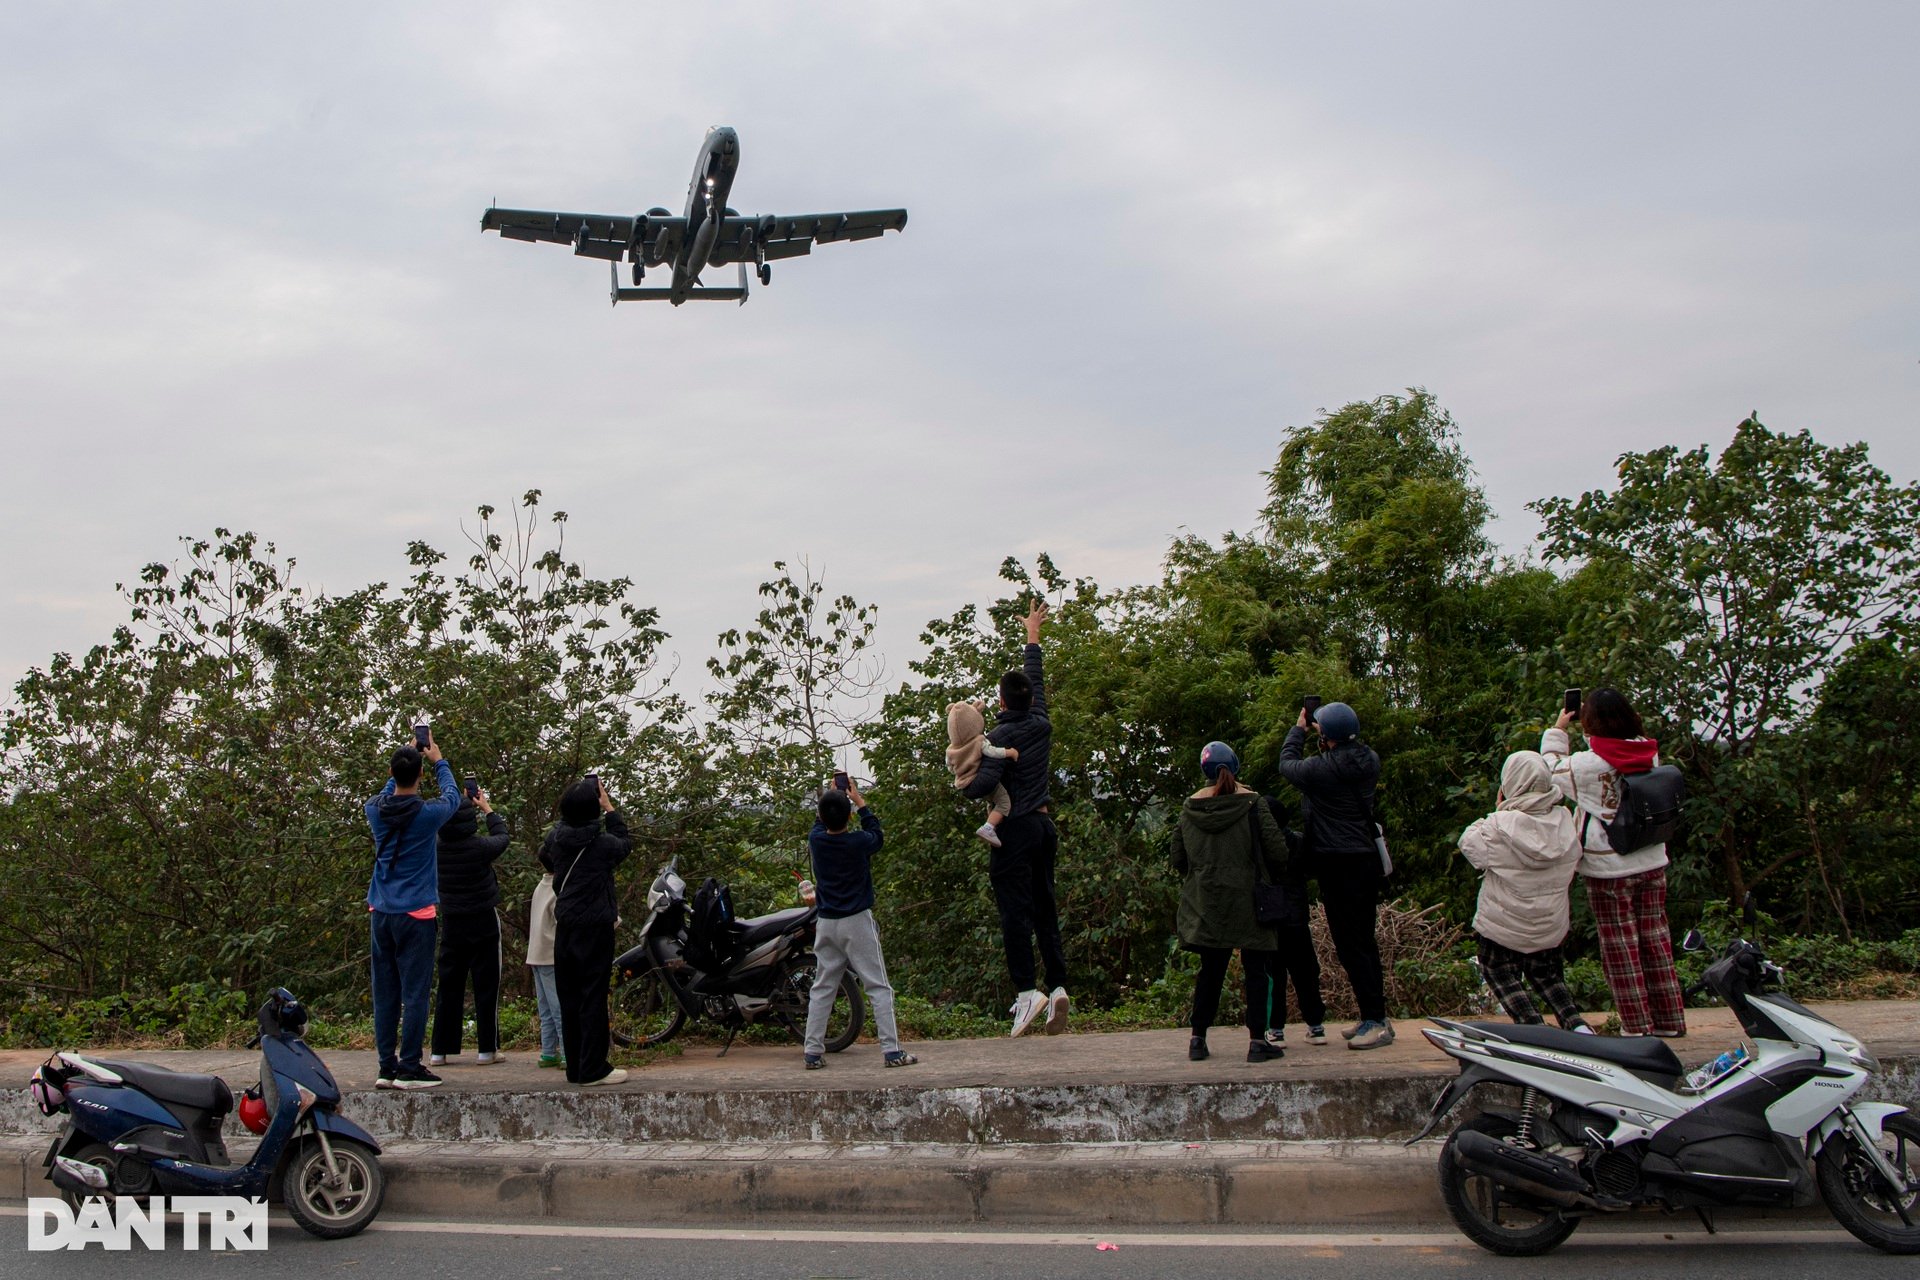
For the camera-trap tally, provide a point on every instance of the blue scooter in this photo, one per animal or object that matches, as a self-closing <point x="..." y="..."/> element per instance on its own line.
<point x="134" y="1129"/>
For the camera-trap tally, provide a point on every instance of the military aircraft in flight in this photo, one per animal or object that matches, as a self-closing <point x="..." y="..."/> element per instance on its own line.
<point x="708" y="234"/>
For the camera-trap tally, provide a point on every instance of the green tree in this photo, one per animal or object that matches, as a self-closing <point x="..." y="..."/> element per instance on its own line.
<point x="1721" y="593"/>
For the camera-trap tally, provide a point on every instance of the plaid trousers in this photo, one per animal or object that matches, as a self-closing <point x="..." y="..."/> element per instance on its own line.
<point x="1636" y="952"/>
<point x="1509" y="973"/>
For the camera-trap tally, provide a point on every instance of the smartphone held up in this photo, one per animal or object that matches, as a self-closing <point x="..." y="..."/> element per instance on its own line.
<point x="1570" y="701"/>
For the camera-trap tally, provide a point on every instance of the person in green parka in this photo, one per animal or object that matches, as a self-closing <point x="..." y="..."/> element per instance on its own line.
<point x="1226" y="841"/>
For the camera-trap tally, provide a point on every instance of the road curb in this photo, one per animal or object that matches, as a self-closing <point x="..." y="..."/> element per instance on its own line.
<point x="1249" y="1184"/>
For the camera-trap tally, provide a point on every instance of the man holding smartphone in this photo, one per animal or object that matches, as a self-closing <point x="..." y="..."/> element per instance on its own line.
<point x="1021" y="869"/>
<point x="845" y="936"/>
<point x="403" y="908"/>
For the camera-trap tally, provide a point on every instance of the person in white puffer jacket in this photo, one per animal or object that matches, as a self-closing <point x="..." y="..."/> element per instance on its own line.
<point x="1529" y="854"/>
<point x="1627" y="891"/>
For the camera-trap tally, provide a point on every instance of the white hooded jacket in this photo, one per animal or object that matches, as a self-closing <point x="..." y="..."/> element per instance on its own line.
<point x="1529" y="853"/>
<point x="1594" y="787"/>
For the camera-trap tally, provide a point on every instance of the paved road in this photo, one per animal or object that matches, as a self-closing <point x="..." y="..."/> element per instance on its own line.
<point x="466" y="1251"/>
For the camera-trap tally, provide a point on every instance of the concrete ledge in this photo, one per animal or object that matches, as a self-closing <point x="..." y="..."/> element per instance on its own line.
<point x="1136" y="1184"/>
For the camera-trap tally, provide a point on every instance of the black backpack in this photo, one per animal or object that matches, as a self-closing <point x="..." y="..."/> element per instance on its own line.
<point x="1649" y="812"/>
<point x="711" y="937"/>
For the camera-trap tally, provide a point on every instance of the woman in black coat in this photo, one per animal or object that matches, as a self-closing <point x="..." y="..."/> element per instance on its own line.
<point x="581" y="851"/>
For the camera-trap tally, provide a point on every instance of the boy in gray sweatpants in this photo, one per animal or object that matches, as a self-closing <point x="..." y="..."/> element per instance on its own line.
<point x="844" y="935"/>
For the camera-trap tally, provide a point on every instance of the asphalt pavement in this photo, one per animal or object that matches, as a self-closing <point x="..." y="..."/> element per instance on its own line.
<point x="426" y="1250"/>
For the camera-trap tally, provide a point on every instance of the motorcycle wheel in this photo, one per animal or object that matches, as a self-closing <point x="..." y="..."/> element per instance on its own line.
<point x="331" y="1207"/>
<point x="796" y="992"/>
<point x="1857" y="1197"/>
<point x="645" y="1012"/>
<point x="1497" y="1221"/>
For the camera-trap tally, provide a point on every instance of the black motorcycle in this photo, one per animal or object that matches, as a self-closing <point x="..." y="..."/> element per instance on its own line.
<point x="696" y="961"/>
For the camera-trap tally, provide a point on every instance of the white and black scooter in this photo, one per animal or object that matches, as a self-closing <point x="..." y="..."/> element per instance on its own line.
<point x="1605" y="1125"/>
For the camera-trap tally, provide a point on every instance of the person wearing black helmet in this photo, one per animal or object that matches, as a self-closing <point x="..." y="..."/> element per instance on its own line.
<point x="1341" y="845"/>
<point x="1225" y="843"/>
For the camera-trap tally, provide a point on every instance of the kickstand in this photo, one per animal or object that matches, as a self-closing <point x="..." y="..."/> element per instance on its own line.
<point x="731" y="1033"/>
<point x="1706" y="1219"/>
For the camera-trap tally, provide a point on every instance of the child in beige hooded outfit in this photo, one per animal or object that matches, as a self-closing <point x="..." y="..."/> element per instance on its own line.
<point x="966" y="744"/>
<point x="1528" y="853"/>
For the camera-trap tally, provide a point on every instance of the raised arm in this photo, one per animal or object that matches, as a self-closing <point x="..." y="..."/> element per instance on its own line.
<point x="1030" y="663"/>
<point x="1303" y="771"/>
<point x="870" y="823"/>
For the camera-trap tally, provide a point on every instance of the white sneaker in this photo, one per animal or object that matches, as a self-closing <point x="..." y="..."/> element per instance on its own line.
<point x="988" y="833"/>
<point x="615" y="1076"/>
<point x="488" y="1059"/>
<point x="437" y="1060"/>
<point x="1058" y="1005"/>
<point x="1026" y="1007"/>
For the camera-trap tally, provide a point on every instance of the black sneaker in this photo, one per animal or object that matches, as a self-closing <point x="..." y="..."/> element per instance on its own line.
<point x="813" y="1061"/>
<point x="1197" y="1049"/>
<point x="1261" y="1051"/>
<point x="420" y="1078"/>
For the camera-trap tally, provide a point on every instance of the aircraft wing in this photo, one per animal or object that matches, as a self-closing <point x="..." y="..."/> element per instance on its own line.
<point x="777" y="236"/>
<point x="592" y="235"/>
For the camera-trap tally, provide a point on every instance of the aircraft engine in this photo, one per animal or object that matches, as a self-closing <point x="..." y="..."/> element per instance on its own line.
<point x="658" y="212"/>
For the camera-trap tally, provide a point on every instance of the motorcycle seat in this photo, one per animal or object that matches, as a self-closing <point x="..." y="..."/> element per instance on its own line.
<point x="758" y="929"/>
<point x="1642" y="1055"/>
<point x="203" y="1093"/>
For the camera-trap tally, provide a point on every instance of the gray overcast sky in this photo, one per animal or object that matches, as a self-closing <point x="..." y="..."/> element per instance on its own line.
<point x="242" y="280"/>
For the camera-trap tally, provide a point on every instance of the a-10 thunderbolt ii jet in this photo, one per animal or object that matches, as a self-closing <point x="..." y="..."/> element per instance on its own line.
<point x="708" y="234"/>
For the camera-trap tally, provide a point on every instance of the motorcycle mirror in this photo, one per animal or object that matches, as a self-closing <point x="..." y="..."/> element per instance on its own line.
<point x="1748" y="912"/>
<point x="1693" y="941"/>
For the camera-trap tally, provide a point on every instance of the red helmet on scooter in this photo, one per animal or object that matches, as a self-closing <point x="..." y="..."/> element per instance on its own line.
<point x="253" y="1110"/>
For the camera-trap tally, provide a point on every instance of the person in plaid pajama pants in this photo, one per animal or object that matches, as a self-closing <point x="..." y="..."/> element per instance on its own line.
<point x="1636" y="952"/>
<point x="1509" y="973"/>
<point x="1627" y="891"/>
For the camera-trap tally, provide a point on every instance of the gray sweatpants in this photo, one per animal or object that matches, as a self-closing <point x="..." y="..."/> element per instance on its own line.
<point x="839" y="945"/>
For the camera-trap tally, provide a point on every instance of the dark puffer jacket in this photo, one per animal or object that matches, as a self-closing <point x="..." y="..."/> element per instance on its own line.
<point x="1219" y="859"/>
<point x="1336" y="789"/>
<point x="582" y="860"/>
<point x="1031" y="733"/>
<point x="466" y="859"/>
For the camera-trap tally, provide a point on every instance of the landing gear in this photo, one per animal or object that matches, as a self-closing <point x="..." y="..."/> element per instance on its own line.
<point x="639" y="272"/>
<point x="766" y="274"/>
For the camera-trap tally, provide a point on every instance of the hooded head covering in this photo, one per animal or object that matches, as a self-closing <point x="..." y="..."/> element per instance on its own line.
<point x="966" y="736"/>
<point x="1526" y="784"/>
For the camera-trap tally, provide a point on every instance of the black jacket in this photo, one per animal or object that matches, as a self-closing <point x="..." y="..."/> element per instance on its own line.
<point x="466" y="860"/>
<point x="1030" y="733"/>
<point x="1336" y="789"/>
<point x="582" y="860"/>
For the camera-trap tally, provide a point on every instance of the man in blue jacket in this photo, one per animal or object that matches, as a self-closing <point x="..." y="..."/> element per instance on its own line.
<point x="402" y="908"/>
<point x="1021" y="869"/>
